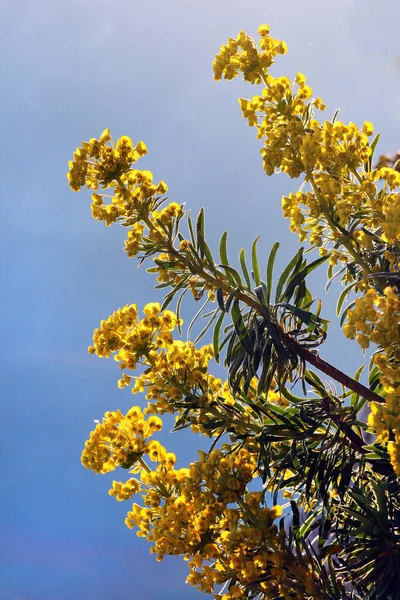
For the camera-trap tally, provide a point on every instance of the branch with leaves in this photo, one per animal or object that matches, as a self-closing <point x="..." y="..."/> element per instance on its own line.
<point x="339" y="536"/>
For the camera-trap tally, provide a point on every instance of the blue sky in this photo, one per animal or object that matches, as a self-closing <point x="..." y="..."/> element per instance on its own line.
<point x="143" y="68"/>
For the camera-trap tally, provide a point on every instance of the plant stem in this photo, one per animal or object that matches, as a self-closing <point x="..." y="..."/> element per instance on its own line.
<point x="322" y="365"/>
<point x="344" y="239"/>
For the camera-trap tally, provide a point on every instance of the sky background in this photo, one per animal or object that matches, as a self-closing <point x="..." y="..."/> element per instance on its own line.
<point x="70" y="69"/>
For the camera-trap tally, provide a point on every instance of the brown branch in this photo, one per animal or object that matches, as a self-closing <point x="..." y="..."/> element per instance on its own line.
<point x="348" y="382"/>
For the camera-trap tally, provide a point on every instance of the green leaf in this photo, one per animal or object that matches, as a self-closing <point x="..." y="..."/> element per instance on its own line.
<point x="305" y="316"/>
<point x="191" y="231"/>
<point x="301" y="275"/>
<point x="297" y="259"/>
<point x="220" y="299"/>
<point x="168" y="299"/>
<point x="244" y="268"/>
<point x="270" y="269"/>
<point x="225" y="341"/>
<point x="313" y="379"/>
<point x="232" y="275"/>
<point x="373" y="147"/>
<point x="200" y="226"/>
<point x="254" y="259"/>
<point x="266" y="362"/>
<point x="203" y="246"/>
<point x="291" y="397"/>
<point x="346" y="310"/>
<point x="207" y="327"/>
<point x="178" y="310"/>
<point x="343" y="296"/>
<point x="308" y="526"/>
<point x="296" y="515"/>
<point x="216" y="335"/>
<point x="223" y="251"/>
<point x="354" y="396"/>
<point x="193" y="321"/>
<point x="335" y="115"/>
<point x="240" y="326"/>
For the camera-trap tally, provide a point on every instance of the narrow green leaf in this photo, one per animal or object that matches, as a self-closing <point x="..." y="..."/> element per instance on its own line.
<point x="270" y="269"/>
<point x="373" y="147"/>
<point x="232" y="275"/>
<point x="308" y="526"/>
<point x="207" y="327"/>
<point x="225" y="341"/>
<point x="193" y="321"/>
<point x="200" y="226"/>
<point x="297" y="259"/>
<point x="313" y="379"/>
<point x="330" y="272"/>
<point x="168" y="299"/>
<point x="178" y="310"/>
<point x="346" y="310"/>
<point x="302" y="274"/>
<point x="304" y="315"/>
<point x="191" y="231"/>
<point x="335" y="115"/>
<point x="240" y="326"/>
<point x="203" y="246"/>
<point x="231" y="297"/>
<point x="291" y="397"/>
<point x="220" y="299"/>
<point x="244" y="268"/>
<point x="256" y="268"/>
<point x="223" y="248"/>
<point x="296" y="515"/>
<point x="343" y="296"/>
<point x="217" y="331"/>
<point x="354" y="396"/>
<point x="266" y="362"/>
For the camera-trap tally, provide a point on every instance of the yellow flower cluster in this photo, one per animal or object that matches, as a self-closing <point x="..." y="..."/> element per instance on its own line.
<point x="376" y="318"/>
<point x="225" y="532"/>
<point x="204" y="513"/>
<point x="132" y="199"/>
<point x="100" y="164"/>
<point x="330" y="155"/>
<point x="133" y="338"/>
<point x="120" y="441"/>
<point x="241" y="55"/>
<point x="175" y="371"/>
<point x="385" y="419"/>
<point x="283" y="119"/>
<point x="181" y="362"/>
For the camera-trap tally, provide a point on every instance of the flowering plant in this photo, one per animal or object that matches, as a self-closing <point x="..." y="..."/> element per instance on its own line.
<point x="340" y="538"/>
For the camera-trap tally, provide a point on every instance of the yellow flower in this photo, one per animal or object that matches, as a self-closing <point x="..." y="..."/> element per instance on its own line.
<point x="263" y="30"/>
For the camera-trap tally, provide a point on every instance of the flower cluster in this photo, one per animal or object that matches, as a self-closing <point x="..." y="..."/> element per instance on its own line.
<point x="120" y="441"/>
<point x="376" y="318"/>
<point x="205" y="512"/>
<point x="132" y="338"/>
<point x="98" y="163"/>
<point x="101" y="164"/>
<point x="331" y="156"/>
<point x="225" y="532"/>
<point x="241" y="55"/>
<point x="181" y="362"/>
